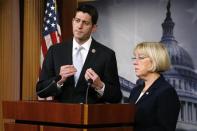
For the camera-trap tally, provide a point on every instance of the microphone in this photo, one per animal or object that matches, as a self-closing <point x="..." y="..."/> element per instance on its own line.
<point x="89" y="82"/>
<point x="55" y="80"/>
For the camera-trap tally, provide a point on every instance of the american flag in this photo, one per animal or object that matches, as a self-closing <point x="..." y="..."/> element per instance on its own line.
<point x="51" y="29"/>
<point x="51" y="32"/>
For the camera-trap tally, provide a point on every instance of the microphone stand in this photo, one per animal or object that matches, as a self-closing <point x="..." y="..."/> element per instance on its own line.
<point x="48" y="86"/>
<point x="57" y="78"/>
<point x="90" y="81"/>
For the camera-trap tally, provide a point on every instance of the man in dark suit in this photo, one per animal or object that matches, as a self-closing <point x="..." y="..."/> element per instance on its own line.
<point x="98" y="64"/>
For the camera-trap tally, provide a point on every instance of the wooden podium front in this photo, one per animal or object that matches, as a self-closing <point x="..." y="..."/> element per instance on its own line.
<point x="51" y="116"/>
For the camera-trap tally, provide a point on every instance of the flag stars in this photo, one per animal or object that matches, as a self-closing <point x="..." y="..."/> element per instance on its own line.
<point x="52" y="7"/>
<point x="46" y="28"/>
<point x="48" y="21"/>
<point x="50" y="14"/>
<point x="48" y="4"/>
<point x="52" y="25"/>
<point x="50" y="32"/>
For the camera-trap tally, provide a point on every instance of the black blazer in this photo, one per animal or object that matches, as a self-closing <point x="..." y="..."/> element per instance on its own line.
<point x="158" y="108"/>
<point x="100" y="58"/>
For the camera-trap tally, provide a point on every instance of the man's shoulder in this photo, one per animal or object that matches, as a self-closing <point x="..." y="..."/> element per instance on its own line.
<point x="103" y="47"/>
<point x="61" y="45"/>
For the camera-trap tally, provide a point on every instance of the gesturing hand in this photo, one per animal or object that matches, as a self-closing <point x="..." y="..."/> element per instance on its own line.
<point x="91" y="74"/>
<point x="65" y="72"/>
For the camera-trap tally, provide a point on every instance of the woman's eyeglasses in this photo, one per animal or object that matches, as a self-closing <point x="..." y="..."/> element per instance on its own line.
<point x="139" y="58"/>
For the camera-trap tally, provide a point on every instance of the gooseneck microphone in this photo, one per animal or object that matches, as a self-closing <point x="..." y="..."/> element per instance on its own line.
<point x="56" y="79"/>
<point x="89" y="82"/>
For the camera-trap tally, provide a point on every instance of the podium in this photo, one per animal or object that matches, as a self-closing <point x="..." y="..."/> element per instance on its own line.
<point x="52" y="116"/>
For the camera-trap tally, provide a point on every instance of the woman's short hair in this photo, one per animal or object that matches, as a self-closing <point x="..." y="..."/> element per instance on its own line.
<point x="158" y="54"/>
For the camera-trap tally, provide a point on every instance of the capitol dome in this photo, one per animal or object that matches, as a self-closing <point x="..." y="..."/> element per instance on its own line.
<point x="178" y="55"/>
<point x="181" y="76"/>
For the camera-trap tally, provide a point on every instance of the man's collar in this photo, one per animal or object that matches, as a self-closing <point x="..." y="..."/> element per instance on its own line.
<point x="85" y="45"/>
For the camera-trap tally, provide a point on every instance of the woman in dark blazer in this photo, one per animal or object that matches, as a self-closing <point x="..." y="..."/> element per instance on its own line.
<point x="156" y="100"/>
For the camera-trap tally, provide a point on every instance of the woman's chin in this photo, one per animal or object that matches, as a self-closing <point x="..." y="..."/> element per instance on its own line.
<point x="138" y="75"/>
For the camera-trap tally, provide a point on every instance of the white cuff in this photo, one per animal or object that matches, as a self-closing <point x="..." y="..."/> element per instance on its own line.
<point x="59" y="85"/>
<point x="101" y="91"/>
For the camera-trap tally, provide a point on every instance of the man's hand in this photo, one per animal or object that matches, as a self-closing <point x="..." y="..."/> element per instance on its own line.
<point x="97" y="83"/>
<point x="65" y="72"/>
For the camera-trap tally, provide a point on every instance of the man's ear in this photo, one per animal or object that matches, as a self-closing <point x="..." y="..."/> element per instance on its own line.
<point x="94" y="28"/>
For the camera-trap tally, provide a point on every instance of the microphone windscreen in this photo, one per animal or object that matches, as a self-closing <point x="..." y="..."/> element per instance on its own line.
<point x="90" y="81"/>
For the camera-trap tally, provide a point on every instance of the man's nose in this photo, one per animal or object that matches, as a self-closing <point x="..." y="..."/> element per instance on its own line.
<point x="80" y="25"/>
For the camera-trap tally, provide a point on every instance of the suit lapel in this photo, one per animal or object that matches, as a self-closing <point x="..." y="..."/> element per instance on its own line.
<point x="67" y="57"/>
<point x="90" y="60"/>
<point x="144" y="97"/>
<point x="91" y="57"/>
<point x="69" y="53"/>
<point x="135" y="94"/>
<point x="150" y="91"/>
<point x="65" y="54"/>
